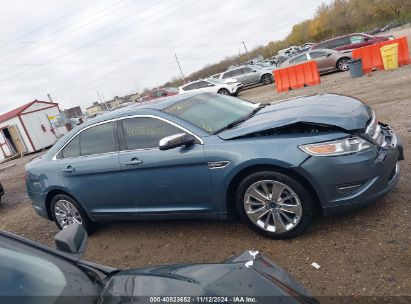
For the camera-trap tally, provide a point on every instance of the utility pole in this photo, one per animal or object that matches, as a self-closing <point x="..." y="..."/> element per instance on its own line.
<point x="101" y="101"/>
<point x="182" y="75"/>
<point x="48" y="95"/>
<point x="246" y="51"/>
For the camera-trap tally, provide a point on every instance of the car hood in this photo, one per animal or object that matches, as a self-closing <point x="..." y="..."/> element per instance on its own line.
<point x="249" y="274"/>
<point x="326" y="110"/>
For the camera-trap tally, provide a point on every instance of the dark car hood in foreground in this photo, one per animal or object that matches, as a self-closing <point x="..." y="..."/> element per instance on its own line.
<point x="249" y="274"/>
<point x="328" y="109"/>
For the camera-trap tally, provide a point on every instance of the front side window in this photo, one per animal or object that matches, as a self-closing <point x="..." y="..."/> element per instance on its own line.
<point x="98" y="139"/>
<point x="146" y="132"/>
<point x="314" y="55"/>
<point x="190" y="87"/>
<point x="211" y="112"/>
<point x="203" y="84"/>
<point x="247" y="70"/>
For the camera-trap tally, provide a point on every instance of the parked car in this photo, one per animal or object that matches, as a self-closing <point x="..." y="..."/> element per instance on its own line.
<point x="211" y="155"/>
<point x="249" y="75"/>
<point x="390" y="26"/>
<point x="29" y="270"/>
<point x="327" y="60"/>
<point x="278" y="59"/>
<point x="351" y="41"/>
<point x="1" y="191"/>
<point x="164" y="92"/>
<point x="290" y="51"/>
<point x="212" y="85"/>
<point x="215" y="76"/>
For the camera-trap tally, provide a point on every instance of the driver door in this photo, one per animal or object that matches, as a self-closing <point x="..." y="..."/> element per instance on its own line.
<point x="324" y="63"/>
<point x="175" y="181"/>
<point x="251" y="75"/>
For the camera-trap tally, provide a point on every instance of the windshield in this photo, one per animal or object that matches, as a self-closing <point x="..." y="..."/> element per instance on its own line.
<point x="211" y="112"/>
<point x="27" y="272"/>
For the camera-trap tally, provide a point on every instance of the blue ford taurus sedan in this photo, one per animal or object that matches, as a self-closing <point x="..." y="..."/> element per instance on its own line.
<point x="211" y="156"/>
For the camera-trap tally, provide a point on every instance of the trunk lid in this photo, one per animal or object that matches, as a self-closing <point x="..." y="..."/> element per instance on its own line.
<point x="325" y="110"/>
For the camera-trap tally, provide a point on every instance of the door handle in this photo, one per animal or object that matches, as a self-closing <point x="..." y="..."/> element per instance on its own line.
<point x="69" y="169"/>
<point x="133" y="162"/>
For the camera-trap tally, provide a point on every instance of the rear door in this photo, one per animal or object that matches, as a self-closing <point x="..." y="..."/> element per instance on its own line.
<point x="176" y="181"/>
<point x="90" y="169"/>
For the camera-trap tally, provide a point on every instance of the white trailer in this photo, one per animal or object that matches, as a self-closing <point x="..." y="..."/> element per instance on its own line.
<point x="29" y="128"/>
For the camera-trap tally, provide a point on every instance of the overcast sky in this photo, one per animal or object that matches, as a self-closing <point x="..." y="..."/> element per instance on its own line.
<point x="73" y="48"/>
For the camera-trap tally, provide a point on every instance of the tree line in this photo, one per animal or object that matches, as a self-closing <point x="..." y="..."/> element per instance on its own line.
<point x="334" y="19"/>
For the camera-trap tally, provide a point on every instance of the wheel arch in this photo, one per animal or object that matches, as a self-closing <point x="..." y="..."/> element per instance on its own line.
<point x="56" y="191"/>
<point x="223" y="89"/>
<point x="239" y="176"/>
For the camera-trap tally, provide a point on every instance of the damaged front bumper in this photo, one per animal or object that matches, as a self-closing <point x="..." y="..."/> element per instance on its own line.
<point x="350" y="181"/>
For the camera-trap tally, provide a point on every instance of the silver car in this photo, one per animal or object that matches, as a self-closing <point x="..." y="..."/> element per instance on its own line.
<point x="249" y="75"/>
<point x="327" y="60"/>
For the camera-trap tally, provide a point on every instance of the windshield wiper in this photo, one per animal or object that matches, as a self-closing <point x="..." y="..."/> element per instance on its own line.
<point x="240" y="120"/>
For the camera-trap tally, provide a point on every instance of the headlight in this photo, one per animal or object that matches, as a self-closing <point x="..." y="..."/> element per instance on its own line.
<point x="337" y="147"/>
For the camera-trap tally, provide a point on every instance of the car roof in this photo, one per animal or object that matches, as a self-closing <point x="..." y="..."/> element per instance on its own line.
<point x="155" y="104"/>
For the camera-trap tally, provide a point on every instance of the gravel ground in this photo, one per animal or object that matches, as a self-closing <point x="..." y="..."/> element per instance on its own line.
<point x="364" y="253"/>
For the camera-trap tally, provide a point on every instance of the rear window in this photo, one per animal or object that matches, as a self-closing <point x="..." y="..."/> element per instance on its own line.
<point x="95" y="140"/>
<point x="98" y="139"/>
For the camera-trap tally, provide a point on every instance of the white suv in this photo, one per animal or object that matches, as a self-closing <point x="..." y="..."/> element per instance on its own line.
<point x="212" y="85"/>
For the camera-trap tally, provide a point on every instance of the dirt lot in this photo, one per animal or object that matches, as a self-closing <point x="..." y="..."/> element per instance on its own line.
<point x="367" y="252"/>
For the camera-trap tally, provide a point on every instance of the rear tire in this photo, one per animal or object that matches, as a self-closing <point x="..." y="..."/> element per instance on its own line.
<point x="267" y="79"/>
<point x="342" y="64"/>
<point x="274" y="204"/>
<point x="65" y="210"/>
<point x="223" y="92"/>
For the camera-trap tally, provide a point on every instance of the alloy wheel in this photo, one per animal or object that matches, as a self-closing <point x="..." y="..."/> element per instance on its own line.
<point x="224" y="92"/>
<point x="272" y="206"/>
<point x="266" y="79"/>
<point x="66" y="213"/>
<point x="343" y="65"/>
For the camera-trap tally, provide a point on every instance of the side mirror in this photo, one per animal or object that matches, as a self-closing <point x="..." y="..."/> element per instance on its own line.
<point x="254" y="71"/>
<point x="366" y="38"/>
<point x="72" y="239"/>
<point x="328" y="54"/>
<point x="210" y="85"/>
<point x="177" y="140"/>
<point x="164" y="94"/>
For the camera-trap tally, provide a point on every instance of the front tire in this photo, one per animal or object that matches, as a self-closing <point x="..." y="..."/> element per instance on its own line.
<point x="274" y="204"/>
<point x="65" y="211"/>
